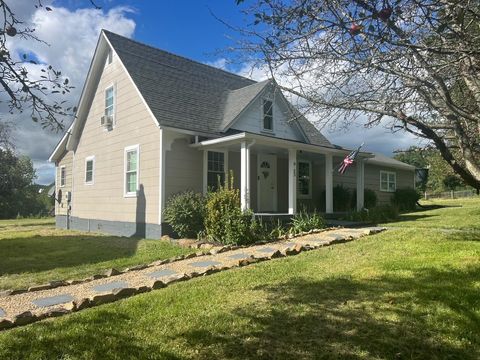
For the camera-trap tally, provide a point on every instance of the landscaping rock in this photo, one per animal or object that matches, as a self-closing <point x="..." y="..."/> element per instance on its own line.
<point x="73" y="282"/>
<point x="102" y="299"/>
<point x="6" y="293"/>
<point x="224" y="248"/>
<point x="24" y="318"/>
<point x="166" y="238"/>
<point x="179" y="257"/>
<point x="206" y="246"/>
<point x="176" y="278"/>
<point x="55" y="312"/>
<point x="143" y="289"/>
<point x="40" y="287"/>
<point x="157" y="284"/>
<point x="157" y="263"/>
<point x="190" y="256"/>
<point x="82" y="304"/>
<point x="137" y="267"/>
<point x="276" y="254"/>
<point x="71" y="306"/>
<point x="200" y="253"/>
<point x="124" y="293"/>
<point x="187" y="242"/>
<point x="5" y="324"/>
<point x="247" y="261"/>
<point x="112" y="272"/>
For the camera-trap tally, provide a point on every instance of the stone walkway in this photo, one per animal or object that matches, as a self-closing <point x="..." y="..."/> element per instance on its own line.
<point x="58" y="298"/>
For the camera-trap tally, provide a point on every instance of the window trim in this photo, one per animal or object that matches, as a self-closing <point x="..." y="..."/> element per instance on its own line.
<point x="125" y="152"/>
<point x="263" y="115"/>
<point x="388" y="181"/>
<point x="63" y="181"/>
<point x="109" y="57"/>
<point x="309" y="195"/>
<point x="87" y="159"/>
<point x="205" y="166"/>
<point x="114" y="103"/>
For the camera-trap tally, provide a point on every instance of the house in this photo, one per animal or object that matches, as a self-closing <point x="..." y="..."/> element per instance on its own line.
<point x="151" y="124"/>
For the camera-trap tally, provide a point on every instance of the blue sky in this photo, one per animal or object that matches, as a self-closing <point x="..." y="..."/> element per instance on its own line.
<point x="182" y="27"/>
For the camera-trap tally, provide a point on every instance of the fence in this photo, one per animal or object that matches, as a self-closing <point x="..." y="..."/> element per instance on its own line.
<point x="454" y="194"/>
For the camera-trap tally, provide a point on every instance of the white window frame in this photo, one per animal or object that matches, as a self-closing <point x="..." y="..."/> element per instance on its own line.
<point x="92" y="159"/>
<point x="114" y="104"/>
<point x="205" y="166"/>
<point x="125" y="152"/>
<point x="263" y="115"/>
<point x="387" y="173"/>
<point x="63" y="180"/>
<point x="309" y="195"/>
<point x="109" y="57"/>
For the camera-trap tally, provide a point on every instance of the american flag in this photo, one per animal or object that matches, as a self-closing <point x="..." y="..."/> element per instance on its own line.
<point x="349" y="159"/>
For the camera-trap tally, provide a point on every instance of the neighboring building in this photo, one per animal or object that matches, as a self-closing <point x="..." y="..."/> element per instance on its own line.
<point x="151" y="124"/>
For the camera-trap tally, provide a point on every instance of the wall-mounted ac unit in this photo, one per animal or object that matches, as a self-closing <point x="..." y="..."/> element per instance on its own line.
<point x="106" y="121"/>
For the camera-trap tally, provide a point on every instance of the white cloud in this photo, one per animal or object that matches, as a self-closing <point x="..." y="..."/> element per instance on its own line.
<point x="72" y="37"/>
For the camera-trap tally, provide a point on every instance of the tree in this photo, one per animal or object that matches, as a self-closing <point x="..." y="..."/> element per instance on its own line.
<point x="414" y="65"/>
<point x="41" y="96"/>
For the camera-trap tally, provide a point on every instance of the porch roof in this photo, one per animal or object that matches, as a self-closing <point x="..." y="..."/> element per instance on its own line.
<point x="273" y="141"/>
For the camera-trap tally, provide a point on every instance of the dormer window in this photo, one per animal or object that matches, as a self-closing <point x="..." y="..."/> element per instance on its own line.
<point x="267" y="115"/>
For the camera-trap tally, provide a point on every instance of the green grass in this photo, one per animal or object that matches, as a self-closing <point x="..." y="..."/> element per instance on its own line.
<point x="33" y="252"/>
<point x="408" y="293"/>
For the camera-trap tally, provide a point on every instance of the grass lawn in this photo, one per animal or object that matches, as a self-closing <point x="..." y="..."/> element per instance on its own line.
<point x="33" y="252"/>
<point x="409" y="293"/>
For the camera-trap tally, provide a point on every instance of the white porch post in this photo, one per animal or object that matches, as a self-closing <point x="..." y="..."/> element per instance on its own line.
<point x="360" y="184"/>
<point x="292" y="181"/>
<point x="328" y="184"/>
<point x="245" y="175"/>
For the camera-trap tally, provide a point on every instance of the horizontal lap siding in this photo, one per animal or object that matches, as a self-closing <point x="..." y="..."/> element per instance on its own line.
<point x="372" y="181"/>
<point x="134" y="125"/>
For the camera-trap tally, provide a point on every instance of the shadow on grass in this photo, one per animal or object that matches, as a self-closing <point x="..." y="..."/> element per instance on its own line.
<point x="421" y="317"/>
<point x="41" y="253"/>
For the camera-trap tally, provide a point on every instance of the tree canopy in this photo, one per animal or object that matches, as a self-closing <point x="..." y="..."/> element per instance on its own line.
<point x="414" y="65"/>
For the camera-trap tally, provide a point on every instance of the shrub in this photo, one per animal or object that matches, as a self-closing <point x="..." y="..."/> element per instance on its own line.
<point x="185" y="212"/>
<point x="375" y="215"/>
<point x="370" y="199"/>
<point x="225" y="222"/>
<point x="405" y="199"/>
<point x="341" y="198"/>
<point x="304" y="221"/>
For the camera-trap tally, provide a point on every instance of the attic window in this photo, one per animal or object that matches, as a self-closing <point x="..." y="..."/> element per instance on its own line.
<point x="109" y="57"/>
<point x="109" y="101"/>
<point x="267" y="115"/>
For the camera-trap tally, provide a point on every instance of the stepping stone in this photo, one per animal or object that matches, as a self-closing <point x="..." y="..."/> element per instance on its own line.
<point x="110" y="286"/>
<point x="53" y="300"/>
<point x="266" y="250"/>
<point x="239" y="256"/>
<point x="205" y="263"/>
<point x="161" y="273"/>
<point x="290" y="244"/>
<point x="2" y="313"/>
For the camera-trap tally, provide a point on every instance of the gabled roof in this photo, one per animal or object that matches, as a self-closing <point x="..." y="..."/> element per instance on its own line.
<point x="189" y="95"/>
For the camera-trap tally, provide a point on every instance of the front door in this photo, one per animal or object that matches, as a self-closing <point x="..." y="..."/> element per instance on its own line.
<point x="267" y="183"/>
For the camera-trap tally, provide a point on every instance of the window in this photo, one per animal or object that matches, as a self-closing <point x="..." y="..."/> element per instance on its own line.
<point x="388" y="181"/>
<point x="89" y="170"/>
<point x="110" y="101"/>
<point x="267" y="115"/>
<point x="131" y="170"/>
<point x="215" y="169"/>
<point x="63" y="176"/>
<point x="304" y="187"/>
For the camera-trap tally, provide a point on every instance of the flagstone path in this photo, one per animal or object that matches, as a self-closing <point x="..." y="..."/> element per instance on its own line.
<point x="29" y="306"/>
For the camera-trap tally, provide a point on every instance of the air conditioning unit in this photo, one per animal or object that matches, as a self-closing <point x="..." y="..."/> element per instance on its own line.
<point x="106" y="121"/>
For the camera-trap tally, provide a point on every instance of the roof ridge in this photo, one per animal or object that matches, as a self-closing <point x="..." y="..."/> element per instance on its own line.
<point x="180" y="56"/>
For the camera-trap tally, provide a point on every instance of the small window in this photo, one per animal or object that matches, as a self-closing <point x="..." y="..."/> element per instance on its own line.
<point x="109" y="57"/>
<point x="388" y="181"/>
<point x="89" y="170"/>
<point x="63" y="176"/>
<point x="215" y="170"/>
<point x="267" y="115"/>
<point x="110" y="101"/>
<point x="304" y="187"/>
<point x="131" y="170"/>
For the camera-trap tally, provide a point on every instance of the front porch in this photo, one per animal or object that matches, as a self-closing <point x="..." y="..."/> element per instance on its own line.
<point x="277" y="176"/>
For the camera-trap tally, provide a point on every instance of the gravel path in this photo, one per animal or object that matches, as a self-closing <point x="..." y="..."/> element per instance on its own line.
<point x="34" y="305"/>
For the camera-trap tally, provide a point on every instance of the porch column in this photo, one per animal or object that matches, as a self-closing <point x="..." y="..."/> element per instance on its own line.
<point x="245" y="175"/>
<point x="360" y="184"/>
<point x="292" y="181"/>
<point x="328" y="184"/>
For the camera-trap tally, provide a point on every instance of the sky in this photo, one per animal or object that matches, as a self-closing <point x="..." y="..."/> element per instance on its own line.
<point x="184" y="27"/>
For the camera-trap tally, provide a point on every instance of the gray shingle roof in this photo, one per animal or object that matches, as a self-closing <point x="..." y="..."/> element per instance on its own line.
<point x="186" y="94"/>
<point x="380" y="159"/>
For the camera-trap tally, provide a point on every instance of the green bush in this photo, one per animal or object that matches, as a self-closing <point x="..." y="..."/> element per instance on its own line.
<point x="226" y="223"/>
<point x="304" y="221"/>
<point x="375" y="215"/>
<point x="185" y="212"/>
<point x="405" y="199"/>
<point x="370" y="199"/>
<point x="341" y="198"/>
